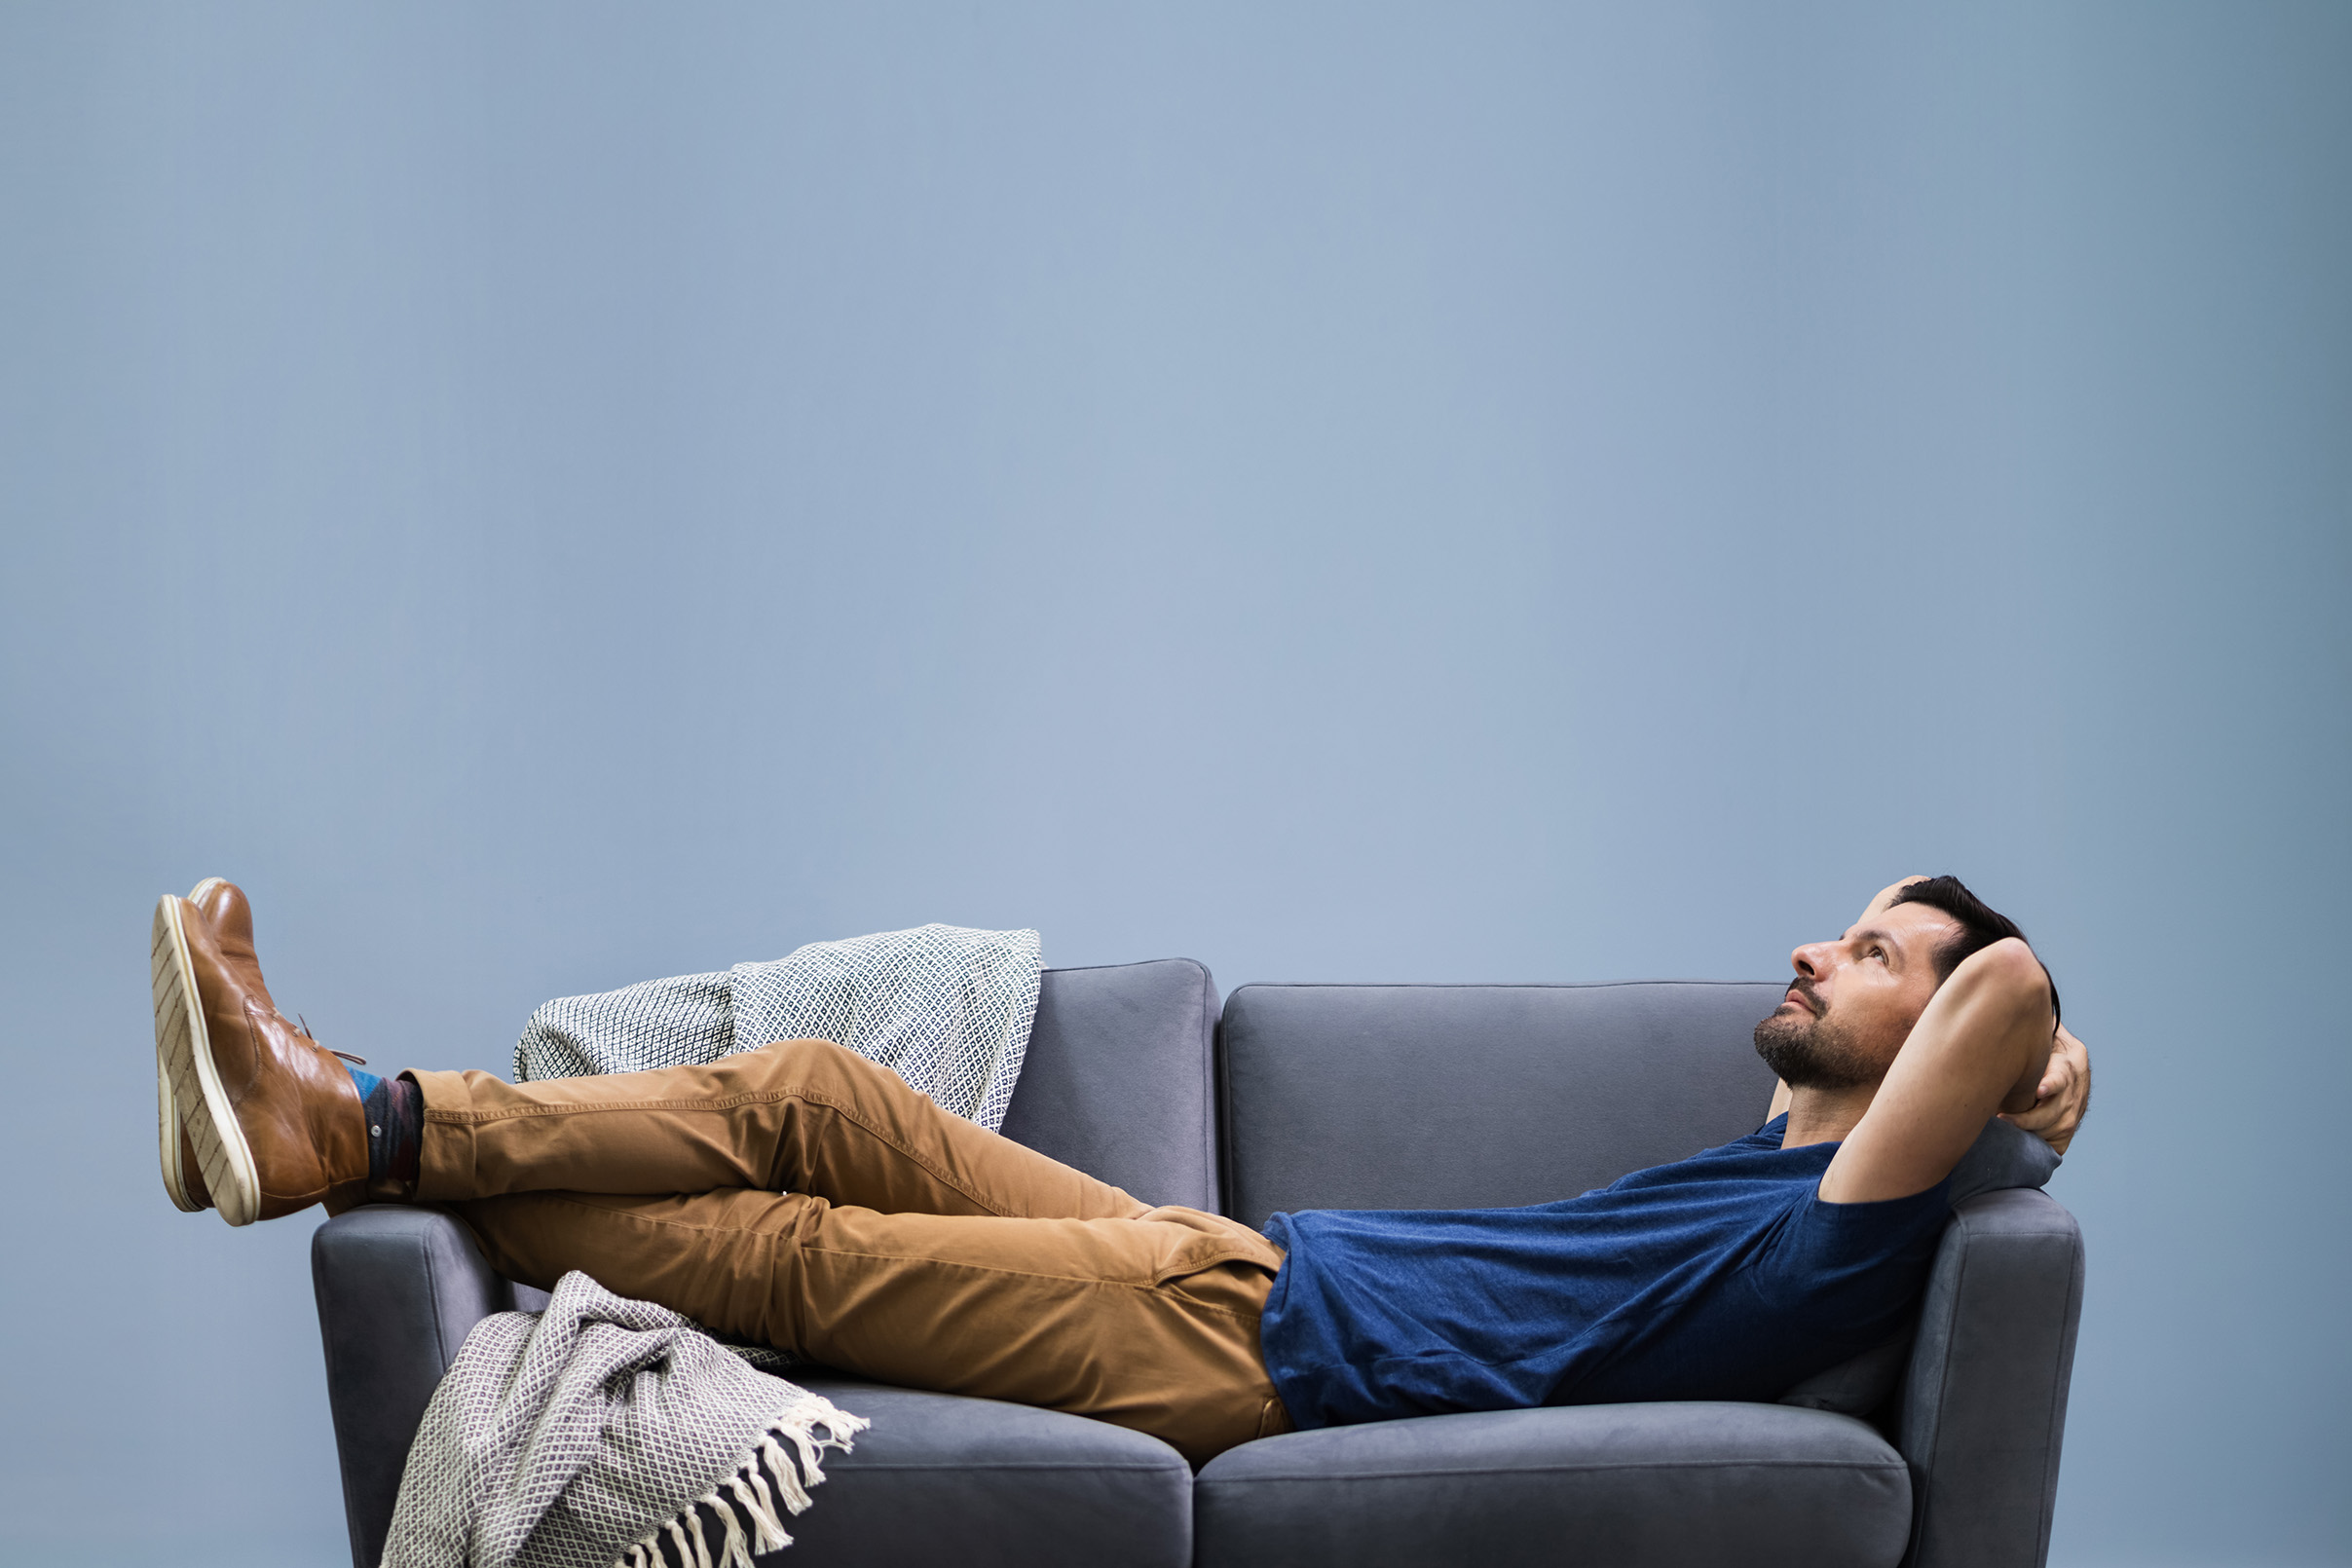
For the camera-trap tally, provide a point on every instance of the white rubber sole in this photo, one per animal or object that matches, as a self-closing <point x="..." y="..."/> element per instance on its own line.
<point x="188" y="1086"/>
<point x="166" y="1109"/>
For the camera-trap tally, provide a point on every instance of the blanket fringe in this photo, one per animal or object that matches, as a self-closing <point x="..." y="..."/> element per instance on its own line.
<point x="748" y="1508"/>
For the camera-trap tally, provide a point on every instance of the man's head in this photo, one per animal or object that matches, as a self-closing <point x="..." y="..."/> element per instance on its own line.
<point x="1854" y="999"/>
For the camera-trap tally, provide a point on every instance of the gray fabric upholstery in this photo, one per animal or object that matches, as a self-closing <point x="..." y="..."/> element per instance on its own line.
<point x="399" y="1289"/>
<point x="1630" y="1486"/>
<point x="1466" y="1096"/>
<point x="2003" y="1156"/>
<point x="1861" y="1385"/>
<point x="1985" y="1398"/>
<point x="941" y="1479"/>
<point x="1119" y="1078"/>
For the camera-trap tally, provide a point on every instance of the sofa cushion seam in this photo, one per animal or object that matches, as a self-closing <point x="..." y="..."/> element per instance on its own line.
<point x="1071" y="1466"/>
<point x="1890" y="1466"/>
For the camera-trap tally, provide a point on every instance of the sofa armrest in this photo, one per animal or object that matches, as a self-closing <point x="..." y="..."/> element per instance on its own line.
<point x="399" y="1289"/>
<point x="1984" y="1400"/>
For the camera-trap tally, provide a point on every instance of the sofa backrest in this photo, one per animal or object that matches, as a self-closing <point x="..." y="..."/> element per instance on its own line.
<point x="1119" y="1078"/>
<point x="1466" y="1096"/>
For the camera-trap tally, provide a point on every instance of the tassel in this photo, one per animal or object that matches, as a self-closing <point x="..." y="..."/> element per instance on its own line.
<point x="808" y="1447"/>
<point x="737" y="1550"/>
<point x="770" y="1456"/>
<point x="702" y="1550"/>
<point x="766" y="1530"/>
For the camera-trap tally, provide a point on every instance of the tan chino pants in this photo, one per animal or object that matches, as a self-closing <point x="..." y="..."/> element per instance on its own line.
<point x="804" y="1197"/>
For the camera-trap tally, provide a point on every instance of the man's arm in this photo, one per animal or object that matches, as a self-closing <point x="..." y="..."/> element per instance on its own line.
<point x="2060" y="1101"/>
<point x="1981" y="1045"/>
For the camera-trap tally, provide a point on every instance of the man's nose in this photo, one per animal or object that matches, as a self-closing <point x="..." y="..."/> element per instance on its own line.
<point x="1811" y="960"/>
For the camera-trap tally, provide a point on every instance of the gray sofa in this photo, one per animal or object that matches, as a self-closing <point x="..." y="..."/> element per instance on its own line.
<point x="1361" y="1097"/>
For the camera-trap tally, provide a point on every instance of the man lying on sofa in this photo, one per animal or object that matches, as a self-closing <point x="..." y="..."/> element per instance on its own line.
<point x="801" y="1196"/>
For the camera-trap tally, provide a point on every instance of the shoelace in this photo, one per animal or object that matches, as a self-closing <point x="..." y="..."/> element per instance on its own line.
<point x="303" y="1025"/>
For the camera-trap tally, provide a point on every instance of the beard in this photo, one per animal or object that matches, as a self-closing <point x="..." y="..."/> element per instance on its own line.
<point x="1812" y="1051"/>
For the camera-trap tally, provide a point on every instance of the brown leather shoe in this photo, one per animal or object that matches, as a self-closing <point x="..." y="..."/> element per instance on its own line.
<point x="272" y="1122"/>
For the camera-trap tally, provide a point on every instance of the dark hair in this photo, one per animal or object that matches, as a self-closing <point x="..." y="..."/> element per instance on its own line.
<point x="1980" y="925"/>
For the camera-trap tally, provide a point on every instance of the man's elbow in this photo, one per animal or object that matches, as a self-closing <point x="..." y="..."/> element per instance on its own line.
<point x="2011" y="978"/>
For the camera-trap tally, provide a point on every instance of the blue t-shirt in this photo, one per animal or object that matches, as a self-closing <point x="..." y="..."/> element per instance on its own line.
<point x="1719" y="1277"/>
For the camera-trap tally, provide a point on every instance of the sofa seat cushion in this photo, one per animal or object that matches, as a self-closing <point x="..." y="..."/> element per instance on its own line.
<point x="939" y="1478"/>
<point x="1630" y="1485"/>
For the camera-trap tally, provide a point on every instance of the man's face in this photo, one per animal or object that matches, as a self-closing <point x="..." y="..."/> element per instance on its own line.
<point x="1854" y="1000"/>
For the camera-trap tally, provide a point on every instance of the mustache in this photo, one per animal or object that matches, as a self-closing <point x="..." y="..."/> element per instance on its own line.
<point x="1802" y="986"/>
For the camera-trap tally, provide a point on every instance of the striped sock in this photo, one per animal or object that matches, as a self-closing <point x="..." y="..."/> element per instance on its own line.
<point x="396" y="1128"/>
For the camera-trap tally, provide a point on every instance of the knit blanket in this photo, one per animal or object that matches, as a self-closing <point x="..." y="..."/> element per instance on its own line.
<point x="946" y="1008"/>
<point x="605" y="1433"/>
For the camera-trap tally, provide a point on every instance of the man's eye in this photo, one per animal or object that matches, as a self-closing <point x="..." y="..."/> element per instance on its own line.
<point x="1879" y="953"/>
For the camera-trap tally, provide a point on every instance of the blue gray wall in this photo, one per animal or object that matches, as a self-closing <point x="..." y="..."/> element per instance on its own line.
<point x="548" y="495"/>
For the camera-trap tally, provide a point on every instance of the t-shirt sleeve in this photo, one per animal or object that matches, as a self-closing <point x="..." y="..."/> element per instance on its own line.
<point x="1867" y="1257"/>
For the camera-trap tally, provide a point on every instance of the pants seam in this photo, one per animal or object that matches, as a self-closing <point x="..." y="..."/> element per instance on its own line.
<point x="483" y="1118"/>
<point x="1146" y="1287"/>
<point x="472" y="1119"/>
